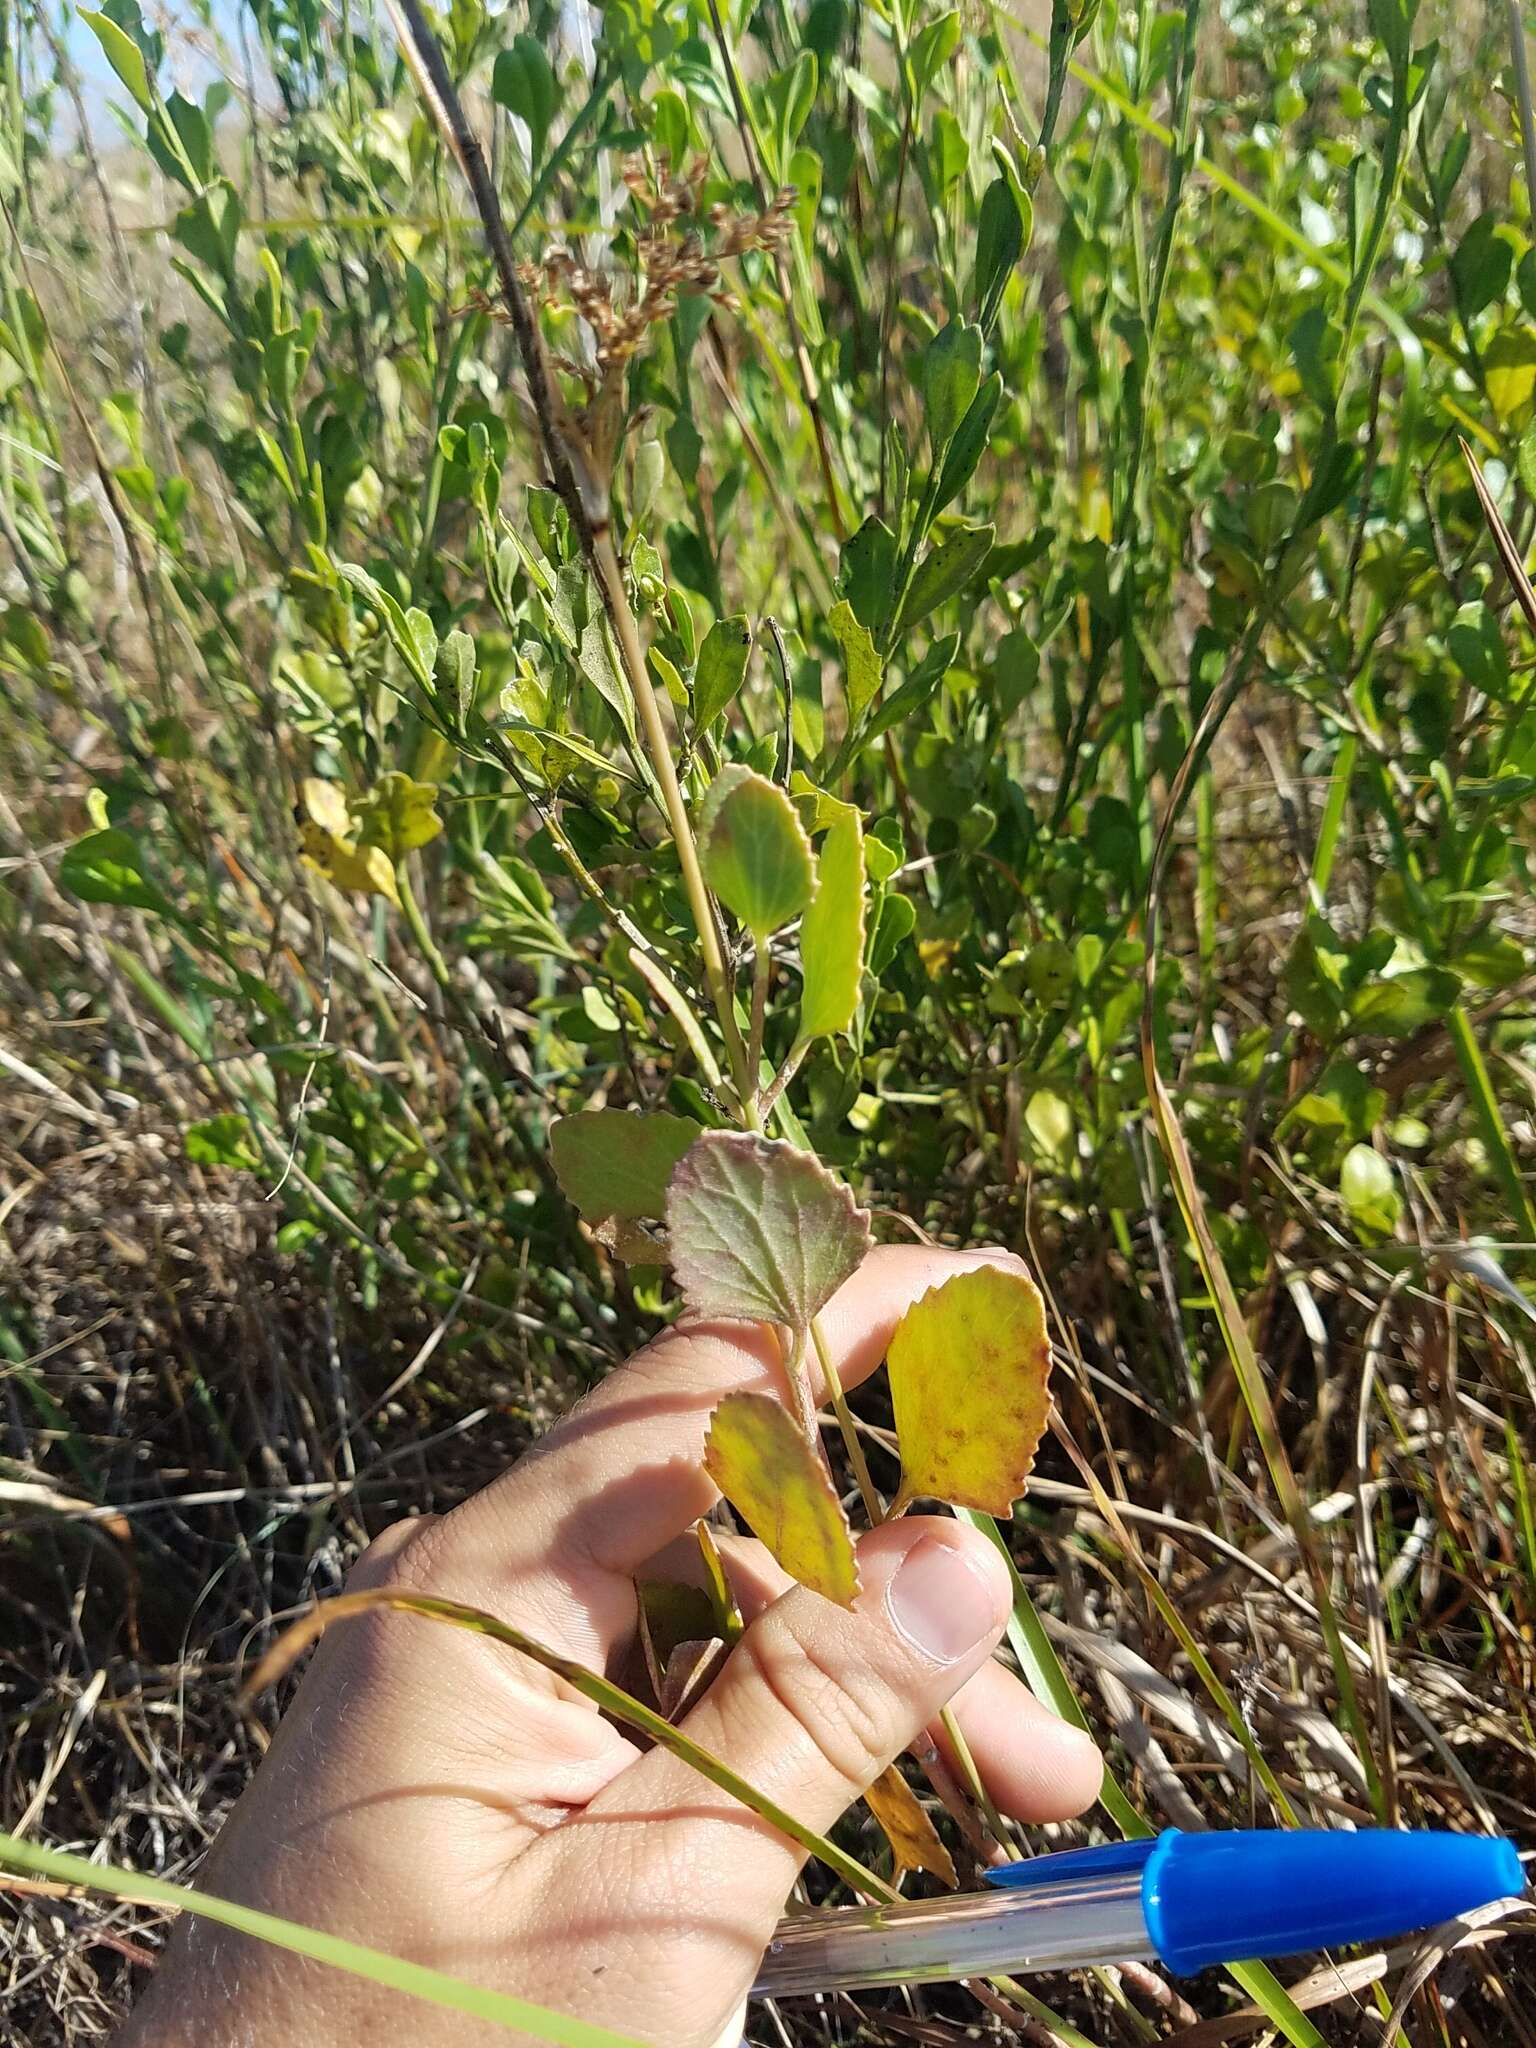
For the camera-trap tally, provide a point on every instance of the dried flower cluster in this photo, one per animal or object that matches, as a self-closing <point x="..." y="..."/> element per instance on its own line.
<point x="678" y="250"/>
<point x="673" y="257"/>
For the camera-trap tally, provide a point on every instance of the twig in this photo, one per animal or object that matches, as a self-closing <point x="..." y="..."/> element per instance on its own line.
<point x="310" y="1071"/>
<point x="1523" y="96"/>
<point x="585" y="497"/>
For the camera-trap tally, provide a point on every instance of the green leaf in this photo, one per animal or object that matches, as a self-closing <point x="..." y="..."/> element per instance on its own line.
<point x="1491" y="960"/>
<point x="832" y="933"/>
<point x="107" y="867"/>
<point x="617" y="1162"/>
<point x="861" y="663"/>
<point x="969" y="1368"/>
<point x="398" y="814"/>
<point x="1313" y="342"/>
<point x="1478" y="650"/>
<point x="867" y="574"/>
<point x="1001" y="233"/>
<point x="525" y="85"/>
<point x="721" y="669"/>
<point x="969" y="444"/>
<point x="1049" y="1122"/>
<point x="222" y="1141"/>
<point x="950" y="375"/>
<point x="597" y="661"/>
<point x="787" y="101"/>
<point x="1369" y="1190"/>
<point x="932" y="48"/>
<point x="453" y="671"/>
<point x="1481" y="265"/>
<point x="944" y="571"/>
<point x="948" y="150"/>
<point x="1400" y="1004"/>
<point x="667" y="674"/>
<point x="777" y="1483"/>
<point x="181" y="121"/>
<point x="761" y="1231"/>
<point x="754" y="851"/>
<point x="124" y="55"/>
<point x="894" y="926"/>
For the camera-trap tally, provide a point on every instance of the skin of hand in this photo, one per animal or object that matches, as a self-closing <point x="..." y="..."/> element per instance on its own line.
<point x="433" y="1794"/>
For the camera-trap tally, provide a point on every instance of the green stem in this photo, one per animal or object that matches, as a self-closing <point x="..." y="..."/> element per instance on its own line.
<point x="873" y="1506"/>
<point x="762" y="971"/>
<point x="997" y="1826"/>
<point x="1333" y="817"/>
<point x="627" y="633"/>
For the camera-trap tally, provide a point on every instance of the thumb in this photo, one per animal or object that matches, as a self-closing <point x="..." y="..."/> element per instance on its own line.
<point x="812" y="1705"/>
<point x="817" y="1700"/>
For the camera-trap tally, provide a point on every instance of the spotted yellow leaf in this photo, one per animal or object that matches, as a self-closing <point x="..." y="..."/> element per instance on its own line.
<point x="969" y="1366"/>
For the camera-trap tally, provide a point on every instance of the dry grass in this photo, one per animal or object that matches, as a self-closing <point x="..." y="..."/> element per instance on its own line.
<point x="193" y="1445"/>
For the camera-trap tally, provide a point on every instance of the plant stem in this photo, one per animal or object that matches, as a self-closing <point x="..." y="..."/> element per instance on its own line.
<point x="585" y="496"/>
<point x="996" y="1825"/>
<point x="1523" y="96"/>
<point x="762" y="971"/>
<point x="782" y="1078"/>
<point x="1485" y="1106"/>
<point x="873" y="1506"/>
<point x="497" y="2008"/>
<point x="627" y="633"/>
<point x="751" y="143"/>
<point x="876" y="1513"/>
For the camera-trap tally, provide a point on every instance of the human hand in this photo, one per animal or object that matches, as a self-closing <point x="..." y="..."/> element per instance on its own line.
<point x="433" y="1794"/>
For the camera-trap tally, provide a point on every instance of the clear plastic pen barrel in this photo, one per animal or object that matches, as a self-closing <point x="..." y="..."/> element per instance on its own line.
<point x="1052" y="1926"/>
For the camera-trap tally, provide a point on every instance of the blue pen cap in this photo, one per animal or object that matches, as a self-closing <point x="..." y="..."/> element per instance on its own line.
<point x="1232" y="1896"/>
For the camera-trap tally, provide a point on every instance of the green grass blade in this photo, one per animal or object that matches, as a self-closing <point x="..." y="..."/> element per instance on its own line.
<point x="1276" y="2003"/>
<point x="602" y="1692"/>
<point x="434" y="1986"/>
<point x="1485" y="1106"/>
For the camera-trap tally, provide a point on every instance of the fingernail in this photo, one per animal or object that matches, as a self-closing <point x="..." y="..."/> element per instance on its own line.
<point x="940" y="1601"/>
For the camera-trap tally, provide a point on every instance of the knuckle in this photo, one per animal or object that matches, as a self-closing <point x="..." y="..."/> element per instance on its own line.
<point x="393" y="1559"/>
<point x="841" y="1705"/>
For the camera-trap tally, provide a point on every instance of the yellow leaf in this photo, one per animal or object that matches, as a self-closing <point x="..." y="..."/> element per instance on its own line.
<point x="365" y="868"/>
<point x="936" y="955"/>
<point x="914" y="1839"/>
<point x="398" y="814"/>
<point x="777" y="1483"/>
<point x="326" y="805"/>
<point x="1509" y="364"/>
<point x="969" y="1366"/>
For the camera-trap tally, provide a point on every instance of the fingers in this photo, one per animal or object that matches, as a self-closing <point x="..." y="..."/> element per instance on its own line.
<point x="554" y="1545"/>
<point x="814" y="1702"/>
<point x="1036" y="1766"/>
<point x="817" y="1700"/>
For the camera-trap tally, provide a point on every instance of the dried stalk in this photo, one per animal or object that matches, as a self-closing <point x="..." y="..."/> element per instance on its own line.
<point x="584" y="494"/>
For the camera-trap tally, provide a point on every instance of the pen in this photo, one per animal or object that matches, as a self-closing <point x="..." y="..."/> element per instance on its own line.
<point x="1186" y="1900"/>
